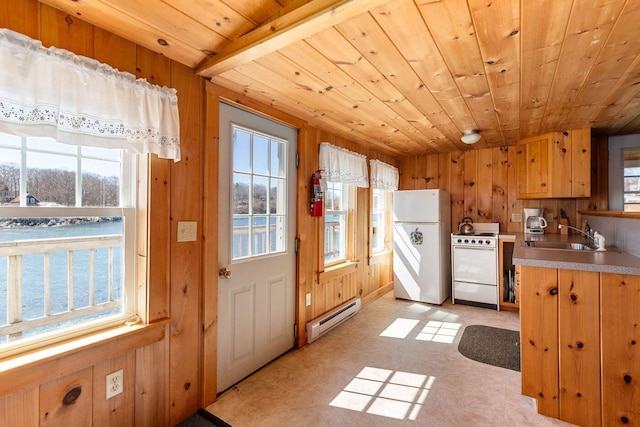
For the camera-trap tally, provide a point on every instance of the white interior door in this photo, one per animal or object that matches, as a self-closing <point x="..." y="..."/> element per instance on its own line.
<point x="256" y="299"/>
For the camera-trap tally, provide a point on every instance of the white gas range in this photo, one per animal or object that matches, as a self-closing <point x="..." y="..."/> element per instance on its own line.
<point x="474" y="266"/>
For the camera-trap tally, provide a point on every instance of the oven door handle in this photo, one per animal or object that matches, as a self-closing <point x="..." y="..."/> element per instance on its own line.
<point x="474" y="248"/>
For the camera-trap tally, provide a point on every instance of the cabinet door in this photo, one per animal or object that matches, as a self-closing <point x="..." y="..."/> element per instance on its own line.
<point x="581" y="163"/>
<point x="620" y="319"/>
<point x="560" y="159"/>
<point x="532" y="163"/>
<point x="579" y="335"/>
<point x="539" y="337"/>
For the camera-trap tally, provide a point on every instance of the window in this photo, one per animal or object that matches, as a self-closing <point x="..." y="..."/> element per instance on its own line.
<point x="67" y="239"/>
<point x="624" y="173"/>
<point x="336" y="222"/>
<point x="379" y="215"/>
<point x="259" y="192"/>
<point x="631" y="186"/>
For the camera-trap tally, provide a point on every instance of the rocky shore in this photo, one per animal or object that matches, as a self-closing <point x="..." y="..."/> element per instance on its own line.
<point x="54" y="222"/>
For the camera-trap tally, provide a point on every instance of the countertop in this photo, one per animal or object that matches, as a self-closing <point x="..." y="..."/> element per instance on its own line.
<point x="610" y="261"/>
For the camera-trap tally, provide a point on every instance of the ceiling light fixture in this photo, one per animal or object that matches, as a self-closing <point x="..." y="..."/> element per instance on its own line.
<point x="470" y="136"/>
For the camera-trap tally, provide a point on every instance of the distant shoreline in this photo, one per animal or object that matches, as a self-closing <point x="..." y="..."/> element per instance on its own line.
<point x="55" y="222"/>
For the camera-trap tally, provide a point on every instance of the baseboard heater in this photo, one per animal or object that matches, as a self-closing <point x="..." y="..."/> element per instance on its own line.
<point x="321" y="325"/>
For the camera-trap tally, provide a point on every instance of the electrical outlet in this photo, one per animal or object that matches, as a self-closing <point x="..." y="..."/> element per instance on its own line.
<point x="549" y="216"/>
<point x="308" y="299"/>
<point x="516" y="217"/>
<point x="114" y="383"/>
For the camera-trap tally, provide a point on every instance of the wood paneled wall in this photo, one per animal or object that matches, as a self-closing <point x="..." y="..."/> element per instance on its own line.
<point x="165" y="376"/>
<point x="162" y="378"/>
<point x="366" y="276"/>
<point x="482" y="184"/>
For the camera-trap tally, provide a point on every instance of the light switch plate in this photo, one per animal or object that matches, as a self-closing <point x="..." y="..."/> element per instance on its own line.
<point x="187" y="231"/>
<point x="549" y="217"/>
<point x="516" y="217"/>
<point x="308" y="299"/>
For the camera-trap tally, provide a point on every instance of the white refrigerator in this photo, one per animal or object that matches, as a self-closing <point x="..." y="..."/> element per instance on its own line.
<point x="421" y="245"/>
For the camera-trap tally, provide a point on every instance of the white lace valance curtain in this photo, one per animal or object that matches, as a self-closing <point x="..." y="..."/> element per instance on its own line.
<point x="384" y="176"/>
<point x="341" y="165"/>
<point x="77" y="100"/>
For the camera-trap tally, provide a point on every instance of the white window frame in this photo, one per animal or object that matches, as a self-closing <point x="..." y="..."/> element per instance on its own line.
<point x="127" y="209"/>
<point x="636" y="191"/>
<point x="617" y="146"/>
<point x="381" y="211"/>
<point x="343" y="221"/>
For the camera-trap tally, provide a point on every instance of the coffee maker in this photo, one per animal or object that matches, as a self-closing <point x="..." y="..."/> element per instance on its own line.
<point x="534" y="222"/>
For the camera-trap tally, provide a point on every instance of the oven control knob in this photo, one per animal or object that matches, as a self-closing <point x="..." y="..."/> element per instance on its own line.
<point x="466" y="240"/>
<point x="473" y="241"/>
<point x="459" y="240"/>
<point x="487" y="242"/>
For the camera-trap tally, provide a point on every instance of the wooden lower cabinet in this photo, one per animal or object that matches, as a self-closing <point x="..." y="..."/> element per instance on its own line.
<point x="580" y="337"/>
<point x="579" y="345"/>
<point x="620" y="323"/>
<point x="539" y="337"/>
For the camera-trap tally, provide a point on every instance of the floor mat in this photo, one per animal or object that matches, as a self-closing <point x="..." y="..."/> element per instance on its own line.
<point x="203" y="418"/>
<point x="493" y="346"/>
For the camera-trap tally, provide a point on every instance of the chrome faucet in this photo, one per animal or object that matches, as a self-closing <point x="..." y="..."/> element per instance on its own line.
<point x="598" y="239"/>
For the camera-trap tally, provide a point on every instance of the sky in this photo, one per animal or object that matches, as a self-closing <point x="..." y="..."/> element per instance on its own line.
<point x="57" y="155"/>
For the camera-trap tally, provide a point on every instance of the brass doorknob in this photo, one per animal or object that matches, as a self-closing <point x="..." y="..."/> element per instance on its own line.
<point x="224" y="273"/>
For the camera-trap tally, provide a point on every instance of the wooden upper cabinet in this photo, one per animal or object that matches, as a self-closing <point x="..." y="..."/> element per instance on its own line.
<point x="532" y="163"/>
<point x="581" y="163"/>
<point x="554" y="165"/>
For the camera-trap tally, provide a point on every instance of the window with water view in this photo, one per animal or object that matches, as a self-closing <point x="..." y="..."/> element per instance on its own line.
<point x="259" y="194"/>
<point x="63" y="216"/>
<point x="632" y="180"/>
<point x="335" y="222"/>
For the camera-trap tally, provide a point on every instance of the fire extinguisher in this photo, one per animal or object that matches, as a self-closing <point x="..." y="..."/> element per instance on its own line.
<point x="316" y="194"/>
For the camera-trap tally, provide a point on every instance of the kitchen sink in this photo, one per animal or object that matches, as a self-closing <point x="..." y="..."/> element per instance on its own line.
<point x="558" y="245"/>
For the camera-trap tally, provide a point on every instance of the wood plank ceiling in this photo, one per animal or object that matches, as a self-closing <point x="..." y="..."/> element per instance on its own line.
<point x="407" y="76"/>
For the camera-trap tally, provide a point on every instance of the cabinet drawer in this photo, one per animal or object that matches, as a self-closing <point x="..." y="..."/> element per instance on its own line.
<point x="475" y="292"/>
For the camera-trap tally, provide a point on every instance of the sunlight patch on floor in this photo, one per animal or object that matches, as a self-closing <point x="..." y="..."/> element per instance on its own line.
<point x="393" y="394"/>
<point x="434" y="330"/>
<point x="444" y="332"/>
<point x="400" y="328"/>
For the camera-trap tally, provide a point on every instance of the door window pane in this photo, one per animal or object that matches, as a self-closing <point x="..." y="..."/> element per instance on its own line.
<point x="260" y="155"/>
<point x="259" y="194"/>
<point x="241" y="151"/>
<point x="278" y="157"/>
<point x="240" y="236"/>
<point x="240" y="193"/>
<point x="259" y="235"/>
<point x="277" y="232"/>
<point x="277" y="200"/>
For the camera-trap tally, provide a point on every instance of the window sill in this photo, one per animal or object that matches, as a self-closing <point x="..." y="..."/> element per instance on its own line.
<point x="30" y="369"/>
<point x="337" y="270"/>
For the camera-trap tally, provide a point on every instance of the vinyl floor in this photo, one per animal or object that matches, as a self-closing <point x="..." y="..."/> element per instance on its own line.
<point x="396" y="363"/>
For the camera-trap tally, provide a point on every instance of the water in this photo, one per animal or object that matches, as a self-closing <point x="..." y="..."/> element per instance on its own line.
<point x="33" y="267"/>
